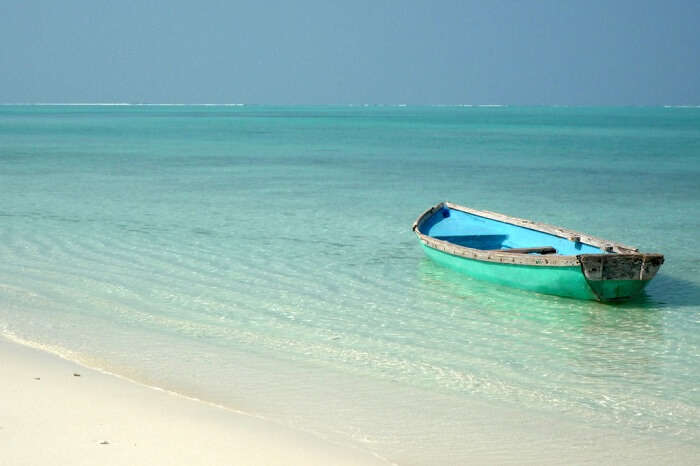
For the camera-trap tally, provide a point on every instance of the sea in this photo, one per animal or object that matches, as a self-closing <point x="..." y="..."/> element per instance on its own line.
<point x="261" y="258"/>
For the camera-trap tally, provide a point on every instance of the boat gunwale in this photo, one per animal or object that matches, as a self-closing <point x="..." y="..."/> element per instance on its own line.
<point x="549" y="260"/>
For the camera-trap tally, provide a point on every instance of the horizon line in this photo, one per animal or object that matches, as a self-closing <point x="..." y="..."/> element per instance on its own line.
<point x="400" y="105"/>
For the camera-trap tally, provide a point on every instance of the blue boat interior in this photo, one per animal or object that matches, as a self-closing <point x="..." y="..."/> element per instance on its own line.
<point x="473" y="231"/>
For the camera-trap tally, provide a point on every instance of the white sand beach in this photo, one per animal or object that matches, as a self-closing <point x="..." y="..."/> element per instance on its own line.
<point x="54" y="411"/>
<point x="49" y="415"/>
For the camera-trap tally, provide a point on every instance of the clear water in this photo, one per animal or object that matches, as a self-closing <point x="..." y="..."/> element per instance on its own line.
<point x="262" y="258"/>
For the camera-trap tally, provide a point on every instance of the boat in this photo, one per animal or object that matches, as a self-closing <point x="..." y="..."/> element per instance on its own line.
<point x="533" y="256"/>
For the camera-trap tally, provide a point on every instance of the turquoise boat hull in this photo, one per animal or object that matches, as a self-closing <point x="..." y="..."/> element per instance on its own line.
<point x="496" y="248"/>
<point x="569" y="281"/>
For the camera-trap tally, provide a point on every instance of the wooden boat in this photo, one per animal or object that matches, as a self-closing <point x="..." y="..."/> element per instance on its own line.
<point x="533" y="256"/>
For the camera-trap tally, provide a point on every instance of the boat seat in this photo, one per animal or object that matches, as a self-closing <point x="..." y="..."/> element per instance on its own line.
<point x="537" y="250"/>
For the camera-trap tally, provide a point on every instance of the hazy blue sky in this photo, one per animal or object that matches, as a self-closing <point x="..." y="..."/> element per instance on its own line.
<point x="527" y="52"/>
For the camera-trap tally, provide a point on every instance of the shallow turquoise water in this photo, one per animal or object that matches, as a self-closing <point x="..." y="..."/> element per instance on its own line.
<point x="262" y="258"/>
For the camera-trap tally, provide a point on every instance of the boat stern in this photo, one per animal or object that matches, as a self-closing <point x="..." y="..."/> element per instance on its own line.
<point x="619" y="276"/>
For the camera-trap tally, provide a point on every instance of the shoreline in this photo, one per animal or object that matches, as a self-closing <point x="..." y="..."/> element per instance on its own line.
<point x="51" y="415"/>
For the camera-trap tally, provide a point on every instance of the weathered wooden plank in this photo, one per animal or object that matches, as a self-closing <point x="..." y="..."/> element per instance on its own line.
<point x="623" y="267"/>
<point x="620" y="266"/>
<point x="592" y="266"/>
<point x="652" y="263"/>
